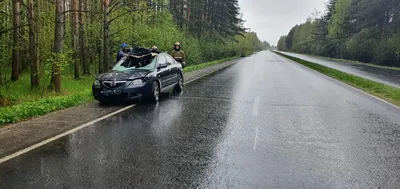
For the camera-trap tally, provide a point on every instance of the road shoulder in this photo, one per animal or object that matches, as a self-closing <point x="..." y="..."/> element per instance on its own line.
<point x="21" y="135"/>
<point x="385" y="93"/>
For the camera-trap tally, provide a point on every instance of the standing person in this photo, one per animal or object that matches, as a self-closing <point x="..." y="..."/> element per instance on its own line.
<point x="154" y="51"/>
<point x="123" y="52"/>
<point x="178" y="54"/>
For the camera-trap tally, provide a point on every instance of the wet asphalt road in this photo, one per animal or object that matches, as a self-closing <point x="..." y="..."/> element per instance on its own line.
<point x="264" y="122"/>
<point x="382" y="75"/>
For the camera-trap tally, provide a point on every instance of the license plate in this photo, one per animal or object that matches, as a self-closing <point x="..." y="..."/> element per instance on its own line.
<point x="112" y="92"/>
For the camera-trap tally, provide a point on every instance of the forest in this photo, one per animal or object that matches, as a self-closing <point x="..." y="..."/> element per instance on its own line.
<point x="363" y="30"/>
<point x="56" y="47"/>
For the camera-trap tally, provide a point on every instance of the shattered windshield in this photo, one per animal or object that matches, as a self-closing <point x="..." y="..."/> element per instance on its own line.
<point x="133" y="63"/>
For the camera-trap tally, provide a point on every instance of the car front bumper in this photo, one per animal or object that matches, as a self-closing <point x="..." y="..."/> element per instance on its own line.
<point x="124" y="94"/>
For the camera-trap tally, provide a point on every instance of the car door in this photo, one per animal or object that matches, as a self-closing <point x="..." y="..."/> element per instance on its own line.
<point x="174" y="69"/>
<point x="163" y="74"/>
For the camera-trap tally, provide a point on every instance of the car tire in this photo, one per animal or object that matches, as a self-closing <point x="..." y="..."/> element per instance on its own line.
<point x="179" y="85"/>
<point x="155" y="92"/>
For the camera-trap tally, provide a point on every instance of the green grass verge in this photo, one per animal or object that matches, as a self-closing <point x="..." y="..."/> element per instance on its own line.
<point x="207" y="64"/>
<point x="27" y="110"/>
<point x="388" y="93"/>
<point x="20" y="91"/>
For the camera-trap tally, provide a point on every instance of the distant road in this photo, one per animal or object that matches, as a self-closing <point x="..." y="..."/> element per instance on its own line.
<point x="265" y="122"/>
<point x="381" y="75"/>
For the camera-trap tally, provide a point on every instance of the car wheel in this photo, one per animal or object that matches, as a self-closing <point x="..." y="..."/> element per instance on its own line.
<point x="179" y="85"/>
<point x="155" y="92"/>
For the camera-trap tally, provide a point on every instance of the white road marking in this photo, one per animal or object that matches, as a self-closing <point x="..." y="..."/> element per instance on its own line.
<point x="256" y="105"/>
<point x="16" y="154"/>
<point x="37" y="145"/>
<point x="255" y="139"/>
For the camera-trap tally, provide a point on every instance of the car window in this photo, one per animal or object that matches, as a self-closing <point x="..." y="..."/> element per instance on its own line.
<point x="150" y="66"/>
<point x="161" y="59"/>
<point x="169" y="59"/>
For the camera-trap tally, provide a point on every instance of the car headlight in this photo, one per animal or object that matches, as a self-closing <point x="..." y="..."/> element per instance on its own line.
<point x="136" y="83"/>
<point x="96" y="83"/>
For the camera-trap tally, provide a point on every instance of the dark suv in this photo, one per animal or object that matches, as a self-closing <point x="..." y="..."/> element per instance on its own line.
<point x="137" y="77"/>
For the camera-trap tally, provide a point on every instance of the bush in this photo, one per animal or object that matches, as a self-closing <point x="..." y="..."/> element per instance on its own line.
<point x="384" y="53"/>
<point x="361" y="47"/>
<point x="395" y="44"/>
<point x="303" y="47"/>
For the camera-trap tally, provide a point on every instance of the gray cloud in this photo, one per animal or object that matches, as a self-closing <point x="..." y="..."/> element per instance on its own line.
<point x="274" y="18"/>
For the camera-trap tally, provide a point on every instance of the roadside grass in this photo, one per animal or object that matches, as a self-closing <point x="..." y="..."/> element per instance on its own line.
<point x="12" y="114"/>
<point x="18" y="102"/>
<point x="20" y="92"/>
<point x="207" y="64"/>
<point x="388" y="93"/>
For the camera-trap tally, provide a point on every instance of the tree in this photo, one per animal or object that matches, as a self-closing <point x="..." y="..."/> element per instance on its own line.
<point x="339" y="24"/>
<point x="33" y="42"/>
<point x="338" y="27"/>
<point x="55" y="82"/>
<point x="289" y="38"/>
<point x="266" y="45"/>
<point x="84" y="52"/>
<point x="216" y="18"/>
<point x="363" y="30"/>
<point x="75" y="26"/>
<point x="282" y="43"/>
<point x="106" y="33"/>
<point x="16" y="58"/>
<point x="320" y="30"/>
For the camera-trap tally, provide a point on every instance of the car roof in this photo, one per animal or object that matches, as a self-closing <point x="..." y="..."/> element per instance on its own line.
<point x="139" y="51"/>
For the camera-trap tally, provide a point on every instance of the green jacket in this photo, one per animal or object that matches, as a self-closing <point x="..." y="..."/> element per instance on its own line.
<point x="178" y="55"/>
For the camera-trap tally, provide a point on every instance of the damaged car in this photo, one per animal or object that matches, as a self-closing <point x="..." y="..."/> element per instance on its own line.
<point x="139" y="76"/>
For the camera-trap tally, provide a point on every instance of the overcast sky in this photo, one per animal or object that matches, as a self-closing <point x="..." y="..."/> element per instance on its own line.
<point x="274" y="18"/>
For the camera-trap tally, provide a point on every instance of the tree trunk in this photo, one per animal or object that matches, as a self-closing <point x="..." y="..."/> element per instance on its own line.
<point x="76" y="37"/>
<point x="84" y="52"/>
<point x="33" y="44"/>
<point x="106" y="55"/>
<point x="181" y="15"/>
<point x="16" y="58"/>
<point x="55" y="82"/>
<point x="99" y="42"/>
<point x="24" y="50"/>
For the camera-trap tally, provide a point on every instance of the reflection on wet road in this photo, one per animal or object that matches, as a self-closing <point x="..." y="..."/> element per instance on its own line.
<point x="382" y="75"/>
<point x="265" y="122"/>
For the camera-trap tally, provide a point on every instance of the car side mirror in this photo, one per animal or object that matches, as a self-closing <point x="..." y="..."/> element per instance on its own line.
<point x="162" y="66"/>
